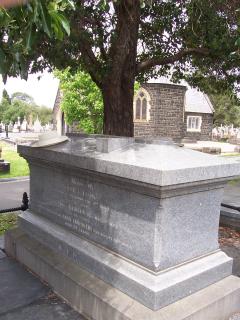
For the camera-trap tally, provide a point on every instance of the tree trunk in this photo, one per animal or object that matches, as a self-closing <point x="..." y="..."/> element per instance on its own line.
<point x="118" y="85"/>
<point x="118" y="109"/>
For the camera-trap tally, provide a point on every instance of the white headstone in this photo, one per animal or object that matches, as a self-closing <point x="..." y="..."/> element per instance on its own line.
<point x="24" y="125"/>
<point x="37" y="127"/>
<point x="15" y="128"/>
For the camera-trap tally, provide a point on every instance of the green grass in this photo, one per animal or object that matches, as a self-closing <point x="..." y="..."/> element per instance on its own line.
<point x="18" y="165"/>
<point x="236" y="154"/>
<point x="234" y="182"/>
<point x="7" y="221"/>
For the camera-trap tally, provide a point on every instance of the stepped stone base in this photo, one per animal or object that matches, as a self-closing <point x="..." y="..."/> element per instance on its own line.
<point x="154" y="290"/>
<point x="98" y="300"/>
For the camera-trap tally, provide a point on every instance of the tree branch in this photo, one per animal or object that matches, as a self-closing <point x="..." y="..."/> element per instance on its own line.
<point x="156" y="61"/>
<point x="91" y="62"/>
<point x="101" y="40"/>
<point x="95" y="22"/>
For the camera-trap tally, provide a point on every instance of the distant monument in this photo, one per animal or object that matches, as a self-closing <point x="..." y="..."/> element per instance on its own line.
<point x="1" y="127"/>
<point x="24" y="125"/>
<point x="10" y="127"/>
<point x="30" y="124"/>
<point x="19" y="124"/>
<point x="48" y="127"/>
<point x="4" y="165"/>
<point x="37" y="127"/>
<point x="15" y="128"/>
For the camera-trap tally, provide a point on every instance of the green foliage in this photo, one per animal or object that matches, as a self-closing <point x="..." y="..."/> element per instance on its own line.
<point x="81" y="101"/>
<point x="237" y="43"/>
<point x="24" y="97"/>
<point x="5" y="96"/>
<point x="34" y="33"/>
<point x="4" y="105"/>
<point x="21" y="27"/>
<point x="22" y="105"/>
<point x="136" y="86"/>
<point x="44" y="114"/>
<point x="227" y="109"/>
<point x="7" y="221"/>
<point x="117" y="42"/>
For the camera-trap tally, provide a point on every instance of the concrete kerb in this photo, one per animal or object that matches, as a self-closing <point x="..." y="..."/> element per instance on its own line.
<point x="23" y="178"/>
<point x="7" y="140"/>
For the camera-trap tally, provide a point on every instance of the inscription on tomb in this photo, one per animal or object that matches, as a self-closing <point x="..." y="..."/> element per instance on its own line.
<point x="85" y="208"/>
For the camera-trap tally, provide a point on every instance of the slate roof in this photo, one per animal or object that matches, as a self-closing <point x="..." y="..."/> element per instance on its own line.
<point x="195" y="100"/>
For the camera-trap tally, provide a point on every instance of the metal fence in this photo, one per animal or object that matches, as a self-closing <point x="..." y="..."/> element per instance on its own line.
<point x="230" y="207"/>
<point x="23" y="207"/>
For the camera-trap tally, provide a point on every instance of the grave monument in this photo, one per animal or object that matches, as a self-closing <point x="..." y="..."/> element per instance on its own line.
<point x="10" y="127"/>
<point x="15" y="128"/>
<point x="4" y="165"/>
<point x="24" y="125"/>
<point x="37" y="127"/>
<point x="127" y="229"/>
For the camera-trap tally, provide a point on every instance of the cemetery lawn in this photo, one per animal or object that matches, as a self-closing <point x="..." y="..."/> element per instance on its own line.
<point x="7" y="221"/>
<point x="18" y="165"/>
<point x="236" y="154"/>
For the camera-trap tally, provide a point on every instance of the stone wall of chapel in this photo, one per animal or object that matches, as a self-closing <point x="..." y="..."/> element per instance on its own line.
<point x="166" y="112"/>
<point x="206" y="127"/>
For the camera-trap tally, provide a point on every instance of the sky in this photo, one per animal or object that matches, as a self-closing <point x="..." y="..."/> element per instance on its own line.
<point x="43" y="91"/>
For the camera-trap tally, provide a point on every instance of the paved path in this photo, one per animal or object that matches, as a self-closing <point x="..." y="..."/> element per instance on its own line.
<point x="11" y="193"/>
<point x="25" y="297"/>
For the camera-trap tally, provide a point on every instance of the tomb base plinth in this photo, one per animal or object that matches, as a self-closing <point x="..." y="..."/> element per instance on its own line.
<point x="155" y="290"/>
<point x="98" y="300"/>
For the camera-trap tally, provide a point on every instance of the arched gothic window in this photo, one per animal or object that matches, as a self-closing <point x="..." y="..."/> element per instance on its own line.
<point x="141" y="105"/>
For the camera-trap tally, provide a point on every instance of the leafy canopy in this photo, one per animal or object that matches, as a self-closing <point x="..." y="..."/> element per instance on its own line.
<point x="22" y="26"/>
<point x="191" y="39"/>
<point x="22" y="105"/>
<point x="81" y="100"/>
<point x="227" y="109"/>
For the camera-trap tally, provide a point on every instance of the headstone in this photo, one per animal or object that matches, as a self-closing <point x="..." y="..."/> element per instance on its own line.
<point x="6" y="131"/>
<point x="24" y="125"/>
<point x="15" y="128"/>
<point x="30" y="125"/>
<point x="2" y="126"/>
<point x="37" y="127"/>
<point x="142" y="217"/>
<point x="19" y="124"/>
<point x="10" y="127"/>
<point x="4" y="165"/>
